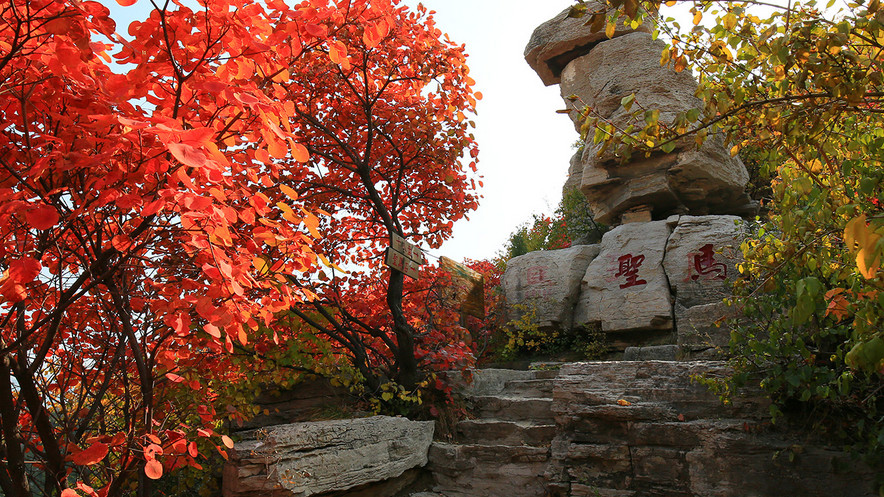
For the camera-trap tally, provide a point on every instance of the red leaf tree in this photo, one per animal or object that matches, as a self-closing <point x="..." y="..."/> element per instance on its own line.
<point x="150" y="219"/>
<point x="392" y="155"/>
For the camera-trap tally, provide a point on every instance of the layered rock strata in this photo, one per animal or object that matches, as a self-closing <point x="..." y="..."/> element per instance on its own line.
<point x="304" y="459"/>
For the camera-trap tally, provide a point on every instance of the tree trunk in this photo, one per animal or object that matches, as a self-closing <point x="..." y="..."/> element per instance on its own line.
<point x="407" y="375"/>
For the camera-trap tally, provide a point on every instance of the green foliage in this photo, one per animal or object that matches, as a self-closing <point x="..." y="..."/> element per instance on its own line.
<point x="526" y="338"/>
<point x="572" y="222"/>
<point x="801" y="90"/>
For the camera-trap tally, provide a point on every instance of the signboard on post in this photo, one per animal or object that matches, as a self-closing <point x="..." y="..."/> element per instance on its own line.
<point x="401" y="263"/>
<point x="467" y="290"/>
<point x="405" y="257"/>
<point x="409" y="250"/>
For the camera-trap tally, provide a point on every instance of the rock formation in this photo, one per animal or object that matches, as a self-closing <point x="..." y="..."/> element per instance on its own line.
<point x="659" y="278"/>
<point x="597" y="73"/>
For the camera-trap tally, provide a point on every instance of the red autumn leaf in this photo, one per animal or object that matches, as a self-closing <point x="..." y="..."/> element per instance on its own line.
<point x="153" y="469"/>
<point x="90" y="455"/>
<point x="316" y="30"/>
<point x="42" y="217"/>
<point x="192" y="449"/>
<point x="174" y="378"/>
<point x="188" y="154"/>
<point x="69" y="493"/>
<point x="24" y="270"/>
<point x="126" y="3"/>
<point x="300" y="153"/>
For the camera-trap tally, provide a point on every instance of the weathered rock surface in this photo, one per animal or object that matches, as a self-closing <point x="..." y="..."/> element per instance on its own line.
<point x="304" y="459"/>
<point x="701" y="259"/>
<point x="702" y="256"/>
<point x="647" y="429"/>
<point x="625" y="288"/>
<point x="560" y="40"/>
<point x="575" y="173"/>
<point x="547" y="282"/>
<point x="623" y="66"/>
<point x="687" y="180"/>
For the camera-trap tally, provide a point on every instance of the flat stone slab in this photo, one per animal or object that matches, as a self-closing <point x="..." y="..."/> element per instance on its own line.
<point x="304" y="459"/>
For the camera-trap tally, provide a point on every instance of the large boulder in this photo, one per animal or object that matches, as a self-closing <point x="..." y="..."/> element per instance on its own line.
<point x="688" y="180"/>
<point x="303" y="459"/>
<point x="560" y="40"/>
<point x="625" y="288"/>
<point x="547" y="282"/>
<point x="623" y="66"/>
<point x="701" y="261"/>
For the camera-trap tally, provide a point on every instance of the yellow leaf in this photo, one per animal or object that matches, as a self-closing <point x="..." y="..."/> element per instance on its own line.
<point x="856" y="232"/>
<point x="729" y="22"/>
<point x="624" y="402"/>
<point x="609" y="29"/>
<point x="664" y="56"/>
<point x="671" y="3"/>
<point x="867" y="261"/>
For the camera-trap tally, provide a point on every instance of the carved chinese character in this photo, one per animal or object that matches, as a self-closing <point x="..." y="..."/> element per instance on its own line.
<point x="535" y="275"/>
<point x="628" y="267"/>
<point x="703" y="262"/>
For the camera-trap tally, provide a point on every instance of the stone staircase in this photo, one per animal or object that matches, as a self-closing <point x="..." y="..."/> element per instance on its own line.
<point x="505" y="450"/>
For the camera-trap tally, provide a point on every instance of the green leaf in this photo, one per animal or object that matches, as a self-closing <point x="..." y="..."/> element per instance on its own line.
<point x="866" y="356"/>
<point x="627" y="101"/>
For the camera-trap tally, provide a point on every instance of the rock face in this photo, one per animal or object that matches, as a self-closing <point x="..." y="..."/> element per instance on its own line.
<point x="686" y="180"/>
<point x="625" y="288"/>
<point x="623" y="66"/>
<point x="304" y="459"/>
<point x="560" y="40"/>
<point x="638" y="429"/>
<point x="548" y="283"/>
<point x="701" y="259"/>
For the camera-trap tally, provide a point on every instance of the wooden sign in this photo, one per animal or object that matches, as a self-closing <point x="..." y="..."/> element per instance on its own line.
<point x="400" y="262"/>
<point x="467" y="290"/>
<point x="407" y="249"/>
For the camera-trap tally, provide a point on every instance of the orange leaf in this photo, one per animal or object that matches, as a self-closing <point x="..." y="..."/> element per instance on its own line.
<point x="91" y="455"/>
<point x="300" y="152"/>
<point x="337" y="52"/>
<point x="43" y="217"/>
<point x="69" y="493"/>
<point x="227" y="441"/>
<point x="126" y="3"/>
<point x="153" y="469"/>
<point x="623" y="402"/>
<point x="289" y="192"/>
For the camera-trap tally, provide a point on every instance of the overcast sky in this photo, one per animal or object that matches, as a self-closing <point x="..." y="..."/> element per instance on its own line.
<point x="524" y="145"/>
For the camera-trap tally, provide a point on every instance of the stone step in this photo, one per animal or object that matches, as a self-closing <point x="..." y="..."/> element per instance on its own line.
<point x="538" y="388"/>
<point x="514" y="408"/>
<point x="499" y="432"/>
<point x="488" y="470"/>
<point x="493" y="381"/>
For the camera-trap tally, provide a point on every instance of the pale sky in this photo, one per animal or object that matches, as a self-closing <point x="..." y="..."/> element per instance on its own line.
<point x="524" y="145"/>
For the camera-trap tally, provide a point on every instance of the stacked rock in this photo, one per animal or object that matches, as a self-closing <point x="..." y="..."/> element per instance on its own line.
<point x="660" y="278"/>
<point x="597" y="72"/>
